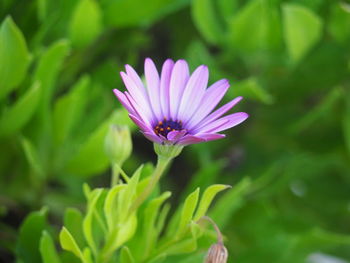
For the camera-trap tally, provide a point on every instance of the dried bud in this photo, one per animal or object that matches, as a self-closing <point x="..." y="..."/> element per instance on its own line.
<point x="217" y="254"/>
<point x="118" y="144"/>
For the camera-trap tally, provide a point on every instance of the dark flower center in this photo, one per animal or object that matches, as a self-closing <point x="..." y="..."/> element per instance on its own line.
<point x="166" y="126"/>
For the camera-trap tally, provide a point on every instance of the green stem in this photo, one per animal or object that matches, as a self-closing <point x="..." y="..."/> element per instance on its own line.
<point x="162" y="163"/>
<point x="116" y="169"/>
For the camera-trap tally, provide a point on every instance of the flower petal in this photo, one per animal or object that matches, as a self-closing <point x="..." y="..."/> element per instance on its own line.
<point x="179" y="78"/>
<point x="135" y="78"/>
<point x="152" y="137"/>
<point x="152" y="80"/>
<point x="193" y="94"/>
<point x="211" y="136"/>
<point x="138" y="96"/>
<point x="225" y="123"/>
<point x="140" y="112"/>
<point x="164" y="87"/>
<point x="124" y="101"/>
<point x="217" y="114"/>
<point x="143" y="126"/>
<point x="190" y="139"/>
<point x="176" y="135"/>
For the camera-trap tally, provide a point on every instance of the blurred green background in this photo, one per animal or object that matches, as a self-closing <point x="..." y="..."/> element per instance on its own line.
<point x="289" y="163"/>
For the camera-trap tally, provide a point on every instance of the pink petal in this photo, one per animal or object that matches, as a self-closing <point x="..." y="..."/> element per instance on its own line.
<point x="140" y="112"/>
<point x="152" y="137"/>
<point x="225" y="123"/>
<point x="190" y="139"/>
<point x="211" y="98"/>
<point x="179" y="78"/>
<point x="143" y="126"/>
<point x="217" y="114"/>
<point x="193" y="94"/>
<point x="138" y="96"/>
<point x="210" y="136"/>
<point x="176" y="135"/>
<point x="124" y="101"/>
<point x="164" y="87"/>
<point x="135" y="78"/>
<point x="152" y="80"/>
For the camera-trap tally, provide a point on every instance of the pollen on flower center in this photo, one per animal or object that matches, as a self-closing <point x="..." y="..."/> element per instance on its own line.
<point x="165" y="126"/>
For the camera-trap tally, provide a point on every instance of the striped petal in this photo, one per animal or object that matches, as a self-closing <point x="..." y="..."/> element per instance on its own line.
<point x="152" y="80"/>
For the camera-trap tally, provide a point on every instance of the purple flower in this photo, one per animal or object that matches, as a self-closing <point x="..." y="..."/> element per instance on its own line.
<point x="176" y="107"/>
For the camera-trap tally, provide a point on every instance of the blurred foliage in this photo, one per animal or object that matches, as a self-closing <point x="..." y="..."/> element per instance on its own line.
<point x="289" y="164"/>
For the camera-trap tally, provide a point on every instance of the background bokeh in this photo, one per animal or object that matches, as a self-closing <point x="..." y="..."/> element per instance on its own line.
<point x="289" y="163"/>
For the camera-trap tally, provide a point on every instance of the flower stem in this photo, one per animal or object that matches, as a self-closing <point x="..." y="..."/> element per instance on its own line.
<point x="162" y="163"/>
<point x="116" y="169"/>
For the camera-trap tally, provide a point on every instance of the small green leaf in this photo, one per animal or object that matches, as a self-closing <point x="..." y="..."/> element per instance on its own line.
<point x="207" y="198"/>
<point x="68" y="243"/>
<point x="126" y="256"/>
<point x="206" y="20"/>
<point x="127" y="197"/>
<point x="47" y="70"/>
<point x="339" y="24"/>
<point x="187" y="212"/>
<point x="86" y="23"/>
<point x="150" y="232"/>
<point x="68" y="110"/>
<point x="73" y="221"/>
<point x="302" y="30"/>
<point x="93" y="146"/>
<point x="19" y="114"/>
<point x="251" y="89"/>
<point x="48" y="250"/>
<point x="230" y="202"/>
<point x="110" y="205"/>
<point x="29" y="236"/>
<point x="256" y="27"/>
<point x="87" y="222"/>
<point x="14" y="57"/>
<point x="32" y="156"/>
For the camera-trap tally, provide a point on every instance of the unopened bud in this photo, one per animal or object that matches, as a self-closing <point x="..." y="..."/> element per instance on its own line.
<point x="217" y="254"/>
<point x="118" y="144"/>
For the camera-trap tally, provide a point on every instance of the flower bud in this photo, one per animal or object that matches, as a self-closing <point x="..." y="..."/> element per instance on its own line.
<point x="167" y="151"/>
<point x="118" y="144"/>
<point x="217" y="254"/>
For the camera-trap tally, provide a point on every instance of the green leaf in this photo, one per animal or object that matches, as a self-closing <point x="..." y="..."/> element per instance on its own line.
<point x="207" y="20"/>
<point x="127" y="197"/>
<point x="346" y="125"/>
<point x="68" y="110"/>
<point x="73" y="221"/>
<point x="68" y="243"/>
<point x="88" y="223"/>
<point x="29" y="236"/>
<point x="256" y="27"/>
<point x="33" y="159"/>
<point x="48" y="250"/>
<point x="187" y="212"/>
<point x="150" y="231"/>
<point x="86" y="23"/>
<point x="302" y="30"/>
<point x="19" y="114"/>
<point x="14" y="57"/>
<point x="126" y="256"/>
<point x="207" y="198"/>
<point x="339" y="24"/>
<point x="230" y="202"/>
<point x="82" y="164"/>
<point x="110" y="205"/>
<point x="47" y="71"/>
<point x="153" y="10"/>
<point x="251" y="89"/>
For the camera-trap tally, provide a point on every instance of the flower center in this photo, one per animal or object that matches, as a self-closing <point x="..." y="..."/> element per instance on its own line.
<point x="166" y="126"/>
